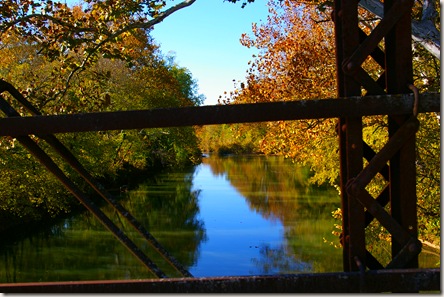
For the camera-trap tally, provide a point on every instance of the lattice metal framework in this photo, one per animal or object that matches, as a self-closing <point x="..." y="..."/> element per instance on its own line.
<point x="389" y="44"/>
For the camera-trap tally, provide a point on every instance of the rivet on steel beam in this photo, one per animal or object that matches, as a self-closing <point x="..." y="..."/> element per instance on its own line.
<point x="415" y="247"/>
<point x="353" y="188"/>
<point x="350" y="66"/>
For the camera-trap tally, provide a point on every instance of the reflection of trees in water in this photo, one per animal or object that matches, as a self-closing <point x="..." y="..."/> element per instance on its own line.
<point x="277" y="189"/>
<point x="278" y="260"/>
<point x="261" y="181"/>
<point x="169" y="208"/>
<point x="79" y="248"/>
<point x="274" y="186"/>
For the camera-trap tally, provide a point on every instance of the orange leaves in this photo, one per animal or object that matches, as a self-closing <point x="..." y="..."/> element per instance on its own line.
<point x="91" y="29"/>
<point x="293" y="63"/>
<point x="296" y="61"/>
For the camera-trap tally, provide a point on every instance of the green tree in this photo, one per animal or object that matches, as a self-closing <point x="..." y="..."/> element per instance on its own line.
<point x="110" y="84"/>
<point x="94" y="28"/>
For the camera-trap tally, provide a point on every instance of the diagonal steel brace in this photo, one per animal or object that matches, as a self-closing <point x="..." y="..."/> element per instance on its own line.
<point x="356" y="188"/>
<point x="70" y="158"/>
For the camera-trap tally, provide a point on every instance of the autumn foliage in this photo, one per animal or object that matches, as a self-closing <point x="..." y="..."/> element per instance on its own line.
<point x="296" y="61"/>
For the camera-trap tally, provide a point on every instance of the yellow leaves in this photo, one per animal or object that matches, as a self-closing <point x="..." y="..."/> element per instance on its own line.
<point x="293" y="64"/>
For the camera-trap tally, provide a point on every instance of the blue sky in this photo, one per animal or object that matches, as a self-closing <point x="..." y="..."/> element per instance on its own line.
<point x="204" y="38"/>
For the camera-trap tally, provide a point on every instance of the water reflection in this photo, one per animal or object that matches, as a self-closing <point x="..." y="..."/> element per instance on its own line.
<point x="79" y="248"/>
<point x="168" y="207"/>
<point x="280" y="260"/>
<point x="248" y="215"/>
<point x="299" y="214"/>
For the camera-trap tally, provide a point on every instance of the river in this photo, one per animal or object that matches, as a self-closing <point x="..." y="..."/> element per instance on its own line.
<point x="235" y="215"/>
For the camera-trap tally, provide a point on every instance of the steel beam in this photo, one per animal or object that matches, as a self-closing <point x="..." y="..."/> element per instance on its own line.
<point x="353" y="48"/>
<point x="399" y="75"/>
<point x="409" y="280"/>
<point x="350" y="135"/>
<point x="218" y="114"/>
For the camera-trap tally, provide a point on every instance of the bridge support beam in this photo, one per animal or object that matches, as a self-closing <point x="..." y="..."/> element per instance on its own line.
<point x="352" y="282"/>
<point x="396" y="161"/>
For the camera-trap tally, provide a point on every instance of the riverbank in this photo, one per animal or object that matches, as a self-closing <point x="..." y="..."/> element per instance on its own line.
<point x="14" y="226"/>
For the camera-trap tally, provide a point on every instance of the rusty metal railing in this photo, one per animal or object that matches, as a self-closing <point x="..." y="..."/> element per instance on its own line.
<point x="376" y="281"/>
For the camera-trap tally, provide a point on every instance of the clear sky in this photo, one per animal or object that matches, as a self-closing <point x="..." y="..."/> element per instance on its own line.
<point x="204" y="38"/>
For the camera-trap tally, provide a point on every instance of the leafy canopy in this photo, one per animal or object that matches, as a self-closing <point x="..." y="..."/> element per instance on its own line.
<point x="297" y="61"/>
<point x="92" y="29"/>
<point x="143" y="79"/>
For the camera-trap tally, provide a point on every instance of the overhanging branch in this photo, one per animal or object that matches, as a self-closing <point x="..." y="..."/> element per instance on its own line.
<point x="424" y="32"/>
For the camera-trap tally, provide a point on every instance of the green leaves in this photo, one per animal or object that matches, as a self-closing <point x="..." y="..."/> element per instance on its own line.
<point x="91" y="30"/>
<point x="129" y="73"/>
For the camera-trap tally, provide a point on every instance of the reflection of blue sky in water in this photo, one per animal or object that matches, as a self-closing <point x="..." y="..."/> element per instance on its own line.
<point x="236" y="235"/>
<point x="279" y="261"/>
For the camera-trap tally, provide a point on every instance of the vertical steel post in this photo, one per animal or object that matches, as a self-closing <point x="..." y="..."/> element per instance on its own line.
<point x="350" y="135"/>
<point x="399" y="74"/>
<point x="353" y="47"/>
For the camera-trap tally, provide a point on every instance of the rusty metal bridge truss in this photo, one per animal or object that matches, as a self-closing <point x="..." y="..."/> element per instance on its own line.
<point x="392" y="94"/>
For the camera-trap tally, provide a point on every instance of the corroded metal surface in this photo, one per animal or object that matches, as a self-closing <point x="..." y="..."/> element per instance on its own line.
<point x="396" y="160"/>
<point x="351" y="282"/>
<point x="399" y="78"/>
<point x="219" y="114"/>
<point x="348" y="38"/>
<point x="77" y="166"/>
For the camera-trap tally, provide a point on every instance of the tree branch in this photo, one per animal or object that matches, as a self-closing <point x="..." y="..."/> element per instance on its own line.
<point x="56" y="20"/>
<point x="424" y="32"/>
<point x="142" y="25"/>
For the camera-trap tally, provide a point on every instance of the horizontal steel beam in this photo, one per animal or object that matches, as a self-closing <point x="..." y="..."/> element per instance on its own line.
<point x="218" y="114"/>
<point x="406" y="280"/>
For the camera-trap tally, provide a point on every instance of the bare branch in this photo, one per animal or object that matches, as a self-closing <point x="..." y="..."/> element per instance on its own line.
<point x="424" y="32"/>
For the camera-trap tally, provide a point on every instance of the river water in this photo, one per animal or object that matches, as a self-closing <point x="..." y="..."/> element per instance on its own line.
<point x="229" y="216"/>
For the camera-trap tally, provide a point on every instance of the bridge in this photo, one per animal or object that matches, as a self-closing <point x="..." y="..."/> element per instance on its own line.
<point x="392" y="94"/>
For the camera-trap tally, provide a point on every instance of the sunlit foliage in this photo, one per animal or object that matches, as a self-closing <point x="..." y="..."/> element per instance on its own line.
<point x="297" y="61"/>
<point x="148" y="80"/>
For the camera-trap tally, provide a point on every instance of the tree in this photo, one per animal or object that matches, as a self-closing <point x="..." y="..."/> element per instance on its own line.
<point x="425" y="25"/>
<point x="92" y="30"/>
<point x="149" y="81"/>
<point x="296" y="61"/>
<point x="96" y="27"/>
